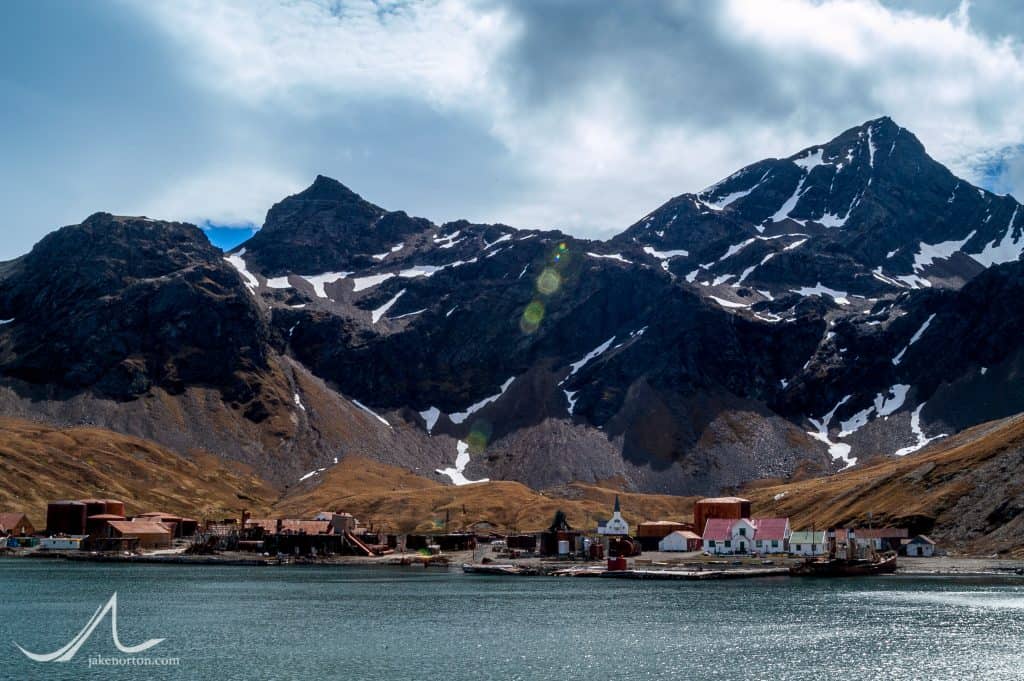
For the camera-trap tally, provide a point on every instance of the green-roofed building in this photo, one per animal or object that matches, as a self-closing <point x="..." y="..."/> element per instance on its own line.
<point x="807" y="543"/>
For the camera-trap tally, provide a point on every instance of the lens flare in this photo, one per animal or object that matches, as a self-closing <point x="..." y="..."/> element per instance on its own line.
<point x="479" y="435"/>
<point x="549" y="281"/>
<point x="532" y="316"/>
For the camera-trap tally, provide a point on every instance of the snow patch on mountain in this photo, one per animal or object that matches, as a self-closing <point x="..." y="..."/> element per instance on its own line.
<point x="447" y="241"/>
<point x="500" y="239"/>
<point x="376" y="314"/>
<point x="610" y="256"/>
<point x="570" y="396"/>
<point x="459" y="417"/>
<point x="840" y="297"/>
<point x="729" y="199"/>
<point x="238" y="263"/>
<point x="430" y="417"/>
<point x="728" y="303"/>
<point x="665" y="255"/>
<point x="812" y="160"/>
<point x="576" y="366"/>
<point x="929" y="253"/>
<point x="915" y="428"/>
<point x="363" y="283"/>
<point x="394" y="249"/>
<point x="913" y="339"/>
<point x="456" y="474"/>
<point x="884" y="404"/>
<point x="319" y="281"/>
<point x="1002" y="249"/>
<point x="371" y="412"/>
<point x="838" y="450"/>
<point x="789" y="204"/>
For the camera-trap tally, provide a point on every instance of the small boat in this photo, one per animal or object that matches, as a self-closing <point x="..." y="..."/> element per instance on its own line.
<point x="491" y="569"/>
<point x="842" y="567"/>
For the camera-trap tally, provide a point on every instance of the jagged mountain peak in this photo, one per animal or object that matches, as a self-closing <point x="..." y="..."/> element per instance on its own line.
<point x="867" y="212"/>
<point x="323" y="228"/>
<point x="825" y="182"/>
<point x="874" y="141"/>
<point x="328" y="189"/>
<point x="783" y="294"/>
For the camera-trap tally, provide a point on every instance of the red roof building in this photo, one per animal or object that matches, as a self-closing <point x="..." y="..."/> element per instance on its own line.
<point x="151" y="534"/>
<point x="15" y="524"/>
<point x="767" y="529"/>
<point x="746" y="535"/>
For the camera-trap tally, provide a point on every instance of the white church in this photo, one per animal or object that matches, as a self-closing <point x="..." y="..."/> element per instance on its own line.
<point x="616" y="525"/>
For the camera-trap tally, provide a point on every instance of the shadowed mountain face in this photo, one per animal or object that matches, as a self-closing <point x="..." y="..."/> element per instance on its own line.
<point x="793" y="318"/>
<point x="121" y="305"/>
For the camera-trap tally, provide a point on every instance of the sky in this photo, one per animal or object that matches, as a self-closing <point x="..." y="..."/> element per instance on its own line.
<point x="569" y="114"/>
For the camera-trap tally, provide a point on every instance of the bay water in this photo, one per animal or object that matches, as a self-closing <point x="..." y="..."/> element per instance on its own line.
<point x="307" y="622"/>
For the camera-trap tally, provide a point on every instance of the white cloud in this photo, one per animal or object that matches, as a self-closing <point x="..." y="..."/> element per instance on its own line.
<point x="294" y="53"/>
<point x="631" y="124"/>
<point x="957" y="89"/>
<point x="226" y="194"/>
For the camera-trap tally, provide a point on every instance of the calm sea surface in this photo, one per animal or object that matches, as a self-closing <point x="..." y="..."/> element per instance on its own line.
<point x="229" y="623"/>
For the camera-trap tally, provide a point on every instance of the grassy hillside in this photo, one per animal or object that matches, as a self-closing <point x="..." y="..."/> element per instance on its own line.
<point x="40" y="463"/>
<point x="404" y="502"/>
<point x="966" y="492"/>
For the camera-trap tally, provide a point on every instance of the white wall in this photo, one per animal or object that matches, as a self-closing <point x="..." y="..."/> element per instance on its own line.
<point x="672" y="542"/>
<point x="60" y="544"/>
<point x="806" y="549"/>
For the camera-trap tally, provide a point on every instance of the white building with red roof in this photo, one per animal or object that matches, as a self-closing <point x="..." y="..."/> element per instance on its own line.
<point x="725" y="536"/>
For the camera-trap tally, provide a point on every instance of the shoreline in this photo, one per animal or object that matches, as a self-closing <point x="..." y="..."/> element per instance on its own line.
<point x="695" y="568"/>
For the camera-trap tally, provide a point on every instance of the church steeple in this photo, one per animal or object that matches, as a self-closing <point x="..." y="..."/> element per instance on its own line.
<point x="616" y="525"/>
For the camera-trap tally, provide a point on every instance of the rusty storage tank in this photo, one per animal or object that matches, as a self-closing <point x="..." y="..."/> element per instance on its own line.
<point x="731" y="508"/>
<point x="65" y="517"/>
<point x="94" y="506"/>
<point x="114" y="507"/>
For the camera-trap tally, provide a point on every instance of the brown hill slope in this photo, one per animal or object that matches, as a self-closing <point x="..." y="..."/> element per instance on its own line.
<point x="40" y="463"/>
<point x="966" y="491"/>
<point x="404" y="502"/>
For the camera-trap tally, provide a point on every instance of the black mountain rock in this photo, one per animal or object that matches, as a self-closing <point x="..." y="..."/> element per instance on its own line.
<point x="853" y="300"/>
<point x="118" y="306"/>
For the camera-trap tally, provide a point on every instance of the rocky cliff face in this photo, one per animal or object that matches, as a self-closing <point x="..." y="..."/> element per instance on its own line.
<point x="791" y="319"/>
<point x="119" y="306"/>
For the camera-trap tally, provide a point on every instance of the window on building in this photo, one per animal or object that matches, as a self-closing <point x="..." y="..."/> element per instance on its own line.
<point x="711" y="543"/>
<point x="743" y="532"/>
<point x="775" y="543"/>
<point x="798" y="547"/>
<point x="728" y="544"/>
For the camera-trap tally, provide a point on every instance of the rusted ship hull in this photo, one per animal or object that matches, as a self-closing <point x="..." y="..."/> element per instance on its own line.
<point x="845" y="568"/>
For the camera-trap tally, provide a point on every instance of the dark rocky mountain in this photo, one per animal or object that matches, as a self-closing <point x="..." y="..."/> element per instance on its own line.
<point x="121" y="305"/>
<point x="805" y="312"/>
<point x="326" y="226"/>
